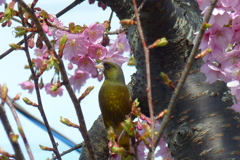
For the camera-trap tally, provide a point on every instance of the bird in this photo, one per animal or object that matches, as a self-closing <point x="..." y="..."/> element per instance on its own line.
<point x="115" y="102"/>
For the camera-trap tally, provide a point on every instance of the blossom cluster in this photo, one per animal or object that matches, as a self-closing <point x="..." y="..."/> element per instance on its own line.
<point x="162" y="151"/>
<point x="222" y="39"/>
<point x="142" y="138"/>
<point x="83" y="48"/>
<point x="140" y="130"/>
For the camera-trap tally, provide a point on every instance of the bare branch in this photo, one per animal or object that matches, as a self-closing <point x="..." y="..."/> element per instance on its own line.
<point x="35" y="78"/>
<point x="76" y="2"/>
<point x="149" y="90"/>
<point x="20" y="128"/>
<point x="9" y="131"/>
<point x="71" y="93"/>
<point x="77" y="146"/>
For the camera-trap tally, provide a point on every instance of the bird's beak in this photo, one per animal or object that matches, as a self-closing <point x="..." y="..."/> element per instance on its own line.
<point x="100" y="66"/>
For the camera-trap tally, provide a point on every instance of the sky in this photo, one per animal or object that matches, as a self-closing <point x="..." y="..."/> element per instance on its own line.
<point x="12" y="73"/>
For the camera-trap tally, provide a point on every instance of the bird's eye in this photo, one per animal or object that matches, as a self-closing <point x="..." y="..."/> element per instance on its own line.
<point x="107" y="66"/>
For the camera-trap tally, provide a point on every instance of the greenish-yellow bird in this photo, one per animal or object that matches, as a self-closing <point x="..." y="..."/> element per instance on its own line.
<point x="115" y="102"/>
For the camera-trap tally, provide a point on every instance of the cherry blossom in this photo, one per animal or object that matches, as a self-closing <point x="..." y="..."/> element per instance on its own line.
<point x="223" y="39"/>
<point x="53" y="93"/>
<point x="76" y="45"/>
<point x="28" y="85"/>
<point x="213" y="71"/>
<point x="97" y="51"/>
<point x="41" y="51"/>
<point x="115" y="57"/>
<point x="78" y="79"/>
<point x="86" y="63"/>
<point x="94" y="32"/>
<point x="38" y="62"/>
<point x="121" y="44"/>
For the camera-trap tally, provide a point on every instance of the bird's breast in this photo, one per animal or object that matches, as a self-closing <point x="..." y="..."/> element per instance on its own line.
<point x="115" y="104"/>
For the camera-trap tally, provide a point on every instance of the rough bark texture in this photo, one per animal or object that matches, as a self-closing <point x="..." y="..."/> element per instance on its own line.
<point x="202" y="127"/>
<point x="98" y="136"/>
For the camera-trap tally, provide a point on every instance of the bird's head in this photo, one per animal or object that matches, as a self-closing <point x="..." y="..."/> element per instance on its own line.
<point x="112" y="72"/>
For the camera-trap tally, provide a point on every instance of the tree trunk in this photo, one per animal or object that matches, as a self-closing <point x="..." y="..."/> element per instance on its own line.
<point x="203" y="126"/>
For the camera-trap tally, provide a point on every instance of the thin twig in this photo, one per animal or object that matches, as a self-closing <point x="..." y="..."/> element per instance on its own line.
<point x="149" y="90"/>
<point x="185" y="72"/>
<point x="4" y="153"/>
<point x="76" y="2"/>
<point x="118" y="31"/>
<point x="36" y="120"/>
<point x="139" y="8"/>
<point x="82" y="128"/>
<point x="11" y="49"/>
<point x="110" y="20"/>
<point x="40" y="106"/>
<point x="9" y="131"/>
<point x="77" y="146"/>
<point x="72" y="5"/>
<point x="20" y="128"/>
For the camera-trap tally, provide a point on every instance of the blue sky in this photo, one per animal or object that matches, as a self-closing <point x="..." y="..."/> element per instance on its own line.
<point x="12" y="73"/>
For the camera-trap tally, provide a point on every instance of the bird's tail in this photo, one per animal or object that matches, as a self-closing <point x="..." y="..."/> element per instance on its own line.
<point x="128" y="157"/>
<point x="125" y="143"/>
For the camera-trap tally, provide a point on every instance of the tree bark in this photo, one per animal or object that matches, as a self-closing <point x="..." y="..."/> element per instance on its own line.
<point x="203" y="126"/>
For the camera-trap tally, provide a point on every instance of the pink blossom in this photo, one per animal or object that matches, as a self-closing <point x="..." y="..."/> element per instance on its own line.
<point x="94" y="73"/>
<point x="229" y="3"/>
<point x="221" y="36"/>
<point x="203" y="4"/>
<point x="121" y="44"/>
<point x="164" y="151"/>
<point x="37" y="14"/>
<point x="217" y="39"/>
<point x="139" y="125"/>
<point x="236" y="107"/>
<point x="45" y="27"/>
<point x="41" y="51"/>
<point x="94" y="32"/>
<point x="58" y="92"/>
<point x="39" y="62"/>
<point x="74" y="60"/>
<point x="213" y="72"/>
<point x="27" y="85"/>
<point x="233" y="71"/>
<point x="161" y="150"/>
<point x="55" y="21"/>
<point x="220" y="19"/>
<point x="51" y="18"/>
<point x="141" y="151"/>
<point x="97" y="51"/>
<point x="76" y="45"/>
<point x="236" y="29"/>
<point x="85" y="63"/>
<point x="31" y="43"/>
<point x="220" y="16"/>
<point x="100" y="76"/>
<point x="115" y="57"/>
<point x="70" y="66"/>
<point x="78" y="79"/>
